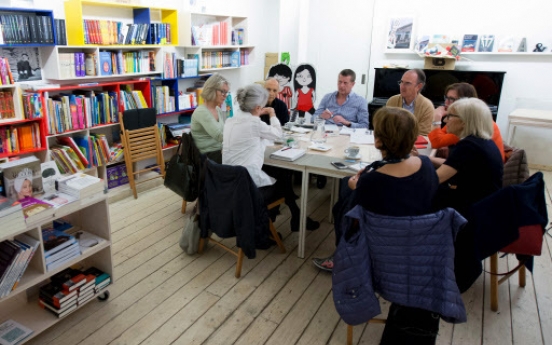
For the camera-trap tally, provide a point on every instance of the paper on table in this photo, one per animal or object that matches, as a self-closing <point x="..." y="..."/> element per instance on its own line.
<point x="361" y="137"/>
<point x="347" y="131"/>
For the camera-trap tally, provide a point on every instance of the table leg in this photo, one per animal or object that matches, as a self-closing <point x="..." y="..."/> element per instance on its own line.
<point x="303" y="207"/>
<point x="334" y="195"/>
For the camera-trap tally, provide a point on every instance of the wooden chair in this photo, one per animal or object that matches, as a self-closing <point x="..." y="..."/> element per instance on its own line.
<point x="141" y="141"/>
<point x="495" y="282"/>
<point x="350" y="329"/>
<point x="239" y="254"/>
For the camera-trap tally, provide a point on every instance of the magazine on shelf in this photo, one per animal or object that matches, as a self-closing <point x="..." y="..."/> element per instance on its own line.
<point x="22" y="177"/>
<point x="12" y="332"/>
<point x="35" y="209"/>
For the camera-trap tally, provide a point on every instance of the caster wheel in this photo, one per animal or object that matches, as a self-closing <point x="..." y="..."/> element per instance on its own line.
<point x="104" y="296"/>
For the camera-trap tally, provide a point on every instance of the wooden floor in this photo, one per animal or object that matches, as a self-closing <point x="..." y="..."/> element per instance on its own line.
<point x="163" y="296"/>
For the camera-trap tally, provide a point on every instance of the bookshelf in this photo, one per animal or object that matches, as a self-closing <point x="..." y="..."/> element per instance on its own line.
<point x="24" y="27"/>
<point x="60" y="63"/>
<point x="90" y="214"/>
<point x="219" y="41"/>
<point x="81" y="10"/>
<point x="100" y="126"/>
<point x="12" y="120"/>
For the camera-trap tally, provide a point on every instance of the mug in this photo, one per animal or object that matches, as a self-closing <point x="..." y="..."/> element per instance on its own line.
<point x="352" y="151"/>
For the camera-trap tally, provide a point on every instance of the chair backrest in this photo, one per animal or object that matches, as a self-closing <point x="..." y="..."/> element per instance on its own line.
<point x="231" y="205"/>
<point x="139" y="118"/>
<point x="516" y="168"/>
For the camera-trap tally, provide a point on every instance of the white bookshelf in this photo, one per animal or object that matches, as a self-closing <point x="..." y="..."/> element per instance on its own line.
<point x="90" y="214"/>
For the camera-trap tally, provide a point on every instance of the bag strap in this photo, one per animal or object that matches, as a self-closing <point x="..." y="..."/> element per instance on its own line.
<point x="521" y="263"/>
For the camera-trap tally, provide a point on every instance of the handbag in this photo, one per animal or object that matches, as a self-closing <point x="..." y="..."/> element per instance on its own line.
<point x="189" y="239"/>
<point x="528" y="243"/>
<point x="181" y="175"/>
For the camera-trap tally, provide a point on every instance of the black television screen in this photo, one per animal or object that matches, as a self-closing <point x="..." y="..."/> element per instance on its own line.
<point x="487" y="84"/>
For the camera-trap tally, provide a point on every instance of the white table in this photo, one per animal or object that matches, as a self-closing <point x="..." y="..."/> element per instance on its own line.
<point x="319" y="163"/>
<point x="528" y="117"/>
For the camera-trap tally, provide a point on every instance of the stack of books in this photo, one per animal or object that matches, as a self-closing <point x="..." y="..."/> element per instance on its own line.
<point x="80" y="185"/>
<point x="59" y="248"/>
<point x="14" y="259"/>
<point x="71" y="288"/>
<point x="11" y="215"/>
<point x="36" y="210"/>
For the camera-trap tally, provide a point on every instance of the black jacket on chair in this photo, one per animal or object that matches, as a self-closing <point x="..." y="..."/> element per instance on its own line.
<point x="231" y="205"/>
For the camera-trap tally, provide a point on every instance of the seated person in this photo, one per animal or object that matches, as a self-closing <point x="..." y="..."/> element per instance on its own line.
<point x="271" y="85"/>
<point x="411" y="99"/>
<point x="208" y="119"/>
<point x="472" y="171"/>
<point x="399" y="185"/>
<point x="243" y="145"/>
<point x="344" y="106"/>
<point x="439" y="137"/>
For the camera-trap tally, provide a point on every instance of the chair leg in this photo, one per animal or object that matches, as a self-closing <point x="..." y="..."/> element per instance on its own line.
<point x="521" y="273"/>
<point x="494" y="282"/>
<point x="349" y="335"/>
<point x="202" y="243"/>
<point x="239" y="263"/>
<point x="183" y="210"/>
<point x="276" y="238"/>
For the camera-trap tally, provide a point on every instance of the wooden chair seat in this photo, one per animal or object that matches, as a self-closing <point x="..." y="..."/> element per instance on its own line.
<point x="239" y="253"/>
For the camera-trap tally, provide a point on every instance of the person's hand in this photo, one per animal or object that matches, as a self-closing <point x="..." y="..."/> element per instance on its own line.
<point x="326" y="114"/>
<point x="268" y="110"/>
<point x="353" y="182"/>
<point x="439" y="113"/>
<point x="340" y="119"/>
<point x="414" y="151"/>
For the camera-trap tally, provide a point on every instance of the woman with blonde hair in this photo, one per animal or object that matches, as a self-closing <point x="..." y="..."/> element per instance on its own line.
<point x="208" y="119"/>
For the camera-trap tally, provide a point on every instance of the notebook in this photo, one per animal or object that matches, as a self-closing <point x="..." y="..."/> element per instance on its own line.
<point x="288" y="154"/>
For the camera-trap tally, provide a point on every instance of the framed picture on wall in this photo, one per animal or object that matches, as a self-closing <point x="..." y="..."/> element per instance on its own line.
<point x="400" y="34"/>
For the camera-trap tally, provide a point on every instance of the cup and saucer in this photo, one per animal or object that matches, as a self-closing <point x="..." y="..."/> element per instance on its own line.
<point x="352" y="152"/>
<point x="357" y="157"/>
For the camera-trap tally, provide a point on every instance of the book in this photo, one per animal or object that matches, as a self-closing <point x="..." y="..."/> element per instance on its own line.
<point x="469" y="43"/>
<point x="22" y="177"/>
<point x="55" y="309"/>
<point x="12" y="332"/>
<point x="85" y="240"/>
<point x="55" y="240"/>
<point x="69" y="279"/>
<point x="106" y="66"/>
<point x="486" y="43"/>
<point x="33" y="244"/>
<point x="58" y="306"/>
<point x="35" y="209"/>
<point x="100" y="275"/>
<point x="54" y="292"/>
<point x="288" y="154"/>
<point x="50" y="173"/>
<point x="80" y="185"/>
<point x="8" y="206"/>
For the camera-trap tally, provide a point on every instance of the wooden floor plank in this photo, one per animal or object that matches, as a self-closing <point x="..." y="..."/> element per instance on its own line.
<point x="497" y="326"/>
<point x="471" y="331"/>
<point x="321" y="327"/>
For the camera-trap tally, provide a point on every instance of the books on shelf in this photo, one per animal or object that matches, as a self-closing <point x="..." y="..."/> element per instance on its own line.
<point x="32" y="106"/>
<point x="80" y="185"/>
<point x="36" y="210"/>
<point x="26" y="27"/>
<point x="6" y="77"/>
<point x="15" y="256"/>
<point x="7" y="110"/>
<point x="12" y="332"/>
<point x="469" y="43"/>
<point x="109" y="32"/>
<point x="11" y="217"/>
<point x="486" y="43"/>
<point x="17" y="138"/>
<point x="288" y="154"/>
<point x="8" y="206"/>
<point x="61" y="34"/>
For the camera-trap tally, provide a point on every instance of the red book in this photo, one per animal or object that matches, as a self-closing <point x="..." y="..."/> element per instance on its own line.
<point x="71" y="143"/>
<point x="421" y="142"/>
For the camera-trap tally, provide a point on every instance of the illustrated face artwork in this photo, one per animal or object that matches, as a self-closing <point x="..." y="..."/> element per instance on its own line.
<point x="304" y="77"/>
<point x="282" y="79"/>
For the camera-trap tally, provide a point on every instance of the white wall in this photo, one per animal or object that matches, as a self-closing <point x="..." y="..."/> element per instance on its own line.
<point x="526" y="77"/>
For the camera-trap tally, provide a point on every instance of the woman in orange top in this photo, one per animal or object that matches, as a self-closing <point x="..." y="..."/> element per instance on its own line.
<point x="439" y="137"/>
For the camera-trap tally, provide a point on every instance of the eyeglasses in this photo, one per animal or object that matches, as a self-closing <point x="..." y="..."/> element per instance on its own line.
<point x="406" y="83"/>
<point x="451" y="115"/>
<point x="450" y="99"/>
<point x="222" y="92"/>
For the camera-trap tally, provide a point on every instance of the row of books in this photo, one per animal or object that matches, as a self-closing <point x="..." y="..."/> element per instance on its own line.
<point x="81" y="152"/>
<point x="25" y="27"/>
<point x="20" y="138"/>
<point x="6" y="77"/>
<point x="108" y="32"/>
<point x="220" y="59"/>
<point x="32" y="106"/>
<point x="133" y="99"/>
<point x="187" y="100"/>
<point x="61" y="34"/>
<point x="73" y="65"/>
<point x="163" y="101"/>
<point x="15" y="256"/>
<point x="211" y="34"/>
<point x="126" y="62"/>
<point x="71" y="288"/>
<point x="6" y="105"/>
<point x="188" y="67"/>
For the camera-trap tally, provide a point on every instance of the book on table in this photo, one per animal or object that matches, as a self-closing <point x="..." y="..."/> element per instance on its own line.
<point x="12" y="332"/>
<point x="288" y="154"/>
<point x="16" y="174"/>
<point x="36" y="210"/>
<point x="80" y="185"/>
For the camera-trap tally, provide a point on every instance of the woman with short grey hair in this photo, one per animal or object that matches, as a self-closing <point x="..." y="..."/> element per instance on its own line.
<point x="208" y="119"/>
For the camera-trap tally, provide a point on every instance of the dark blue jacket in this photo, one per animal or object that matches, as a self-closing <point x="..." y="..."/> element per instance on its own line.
<point x="408" y="260"/>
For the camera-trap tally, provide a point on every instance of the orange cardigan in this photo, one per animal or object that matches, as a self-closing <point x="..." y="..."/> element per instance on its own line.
<point x="440" y="138"/>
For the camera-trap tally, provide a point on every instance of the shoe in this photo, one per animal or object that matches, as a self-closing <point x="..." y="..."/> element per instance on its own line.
<point x="321" y="181"/>
<point x="311" y="224"/>
<point x="325" y="264"/>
